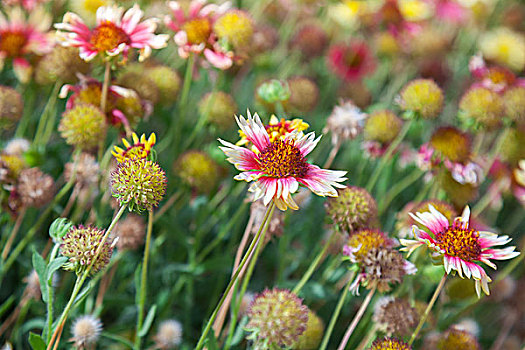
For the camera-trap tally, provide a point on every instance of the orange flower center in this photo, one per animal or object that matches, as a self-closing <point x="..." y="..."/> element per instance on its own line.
<point x="353" y="59"/>
<point x="12" y="43"/>
<point x="277" y="130"/>
<point x="198" y="30"/>
<point x="282" y="159"/>
<point x="500" y="76"/>
<point x="459" y="242"/>
<point x="107" y="36"/>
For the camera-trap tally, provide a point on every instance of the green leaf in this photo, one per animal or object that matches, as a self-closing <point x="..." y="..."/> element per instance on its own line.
<point x="53" y="266"/>
<point x="148" y="321"/>
<point x="59" y="228"/>
<point x="36" y="342"/>
<point x="211" y="342"/>
<point x="40" y="267"/>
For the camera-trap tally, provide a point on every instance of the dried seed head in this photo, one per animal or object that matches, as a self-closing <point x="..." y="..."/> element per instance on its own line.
<point x="311" y="40"/>
<point x="16" y="147"/>
<point x="87" y="170"/>
<point x="363" y="241"/>
<point x="86" y="331"/>
<point x="169" y="334"/>
<point x="167" y="80"/>
<point x="395" y="316"/>
<point x="35" y="188"/>
<point x="62" y="64"/>
<point x="11" y="107"/>
<point x="137" y="78"/>
<point x="219" y="109"/>
<point x="382" y="126"/>
<point x="353" y="209"/>
<point x="130" y="232"/>
<point x="198" y="170"/>
<point x="304" y="95"/>
<point x="83" y="125"/>
<point x="457" y="339"/>
<point x="345" y="122"/>
<point x="422" y="96"/>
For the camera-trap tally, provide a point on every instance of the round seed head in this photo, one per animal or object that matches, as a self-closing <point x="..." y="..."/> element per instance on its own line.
<point x="167" y="80"/>
<point x="311" y="40"/>
<point x="481" y="107"/>
<point x="198" y="170"/>
<point x="61" y="64"/>
<point x="389" y="344"/>
<point x="82" y="126"/>
<point x="514" y="100"/>
<point x="422" y="96"/>
<point x="130" y="232"/>
<point x="457" y="339"/>
<point x="11" y="107"/>
<point x="219" y="109"/>
<point x="169" y="334"/>
<point x="86" y="331"/>
<point x="395" y="316"/>
<point x="35" y="188"/>
<point x="353" y="209"/>
<point x="451" y="143"/>
<point x="304" y="94"/>
<point x="312" y="336"/>
<point x="87" y="170"/>
<point x="382" y="126"/>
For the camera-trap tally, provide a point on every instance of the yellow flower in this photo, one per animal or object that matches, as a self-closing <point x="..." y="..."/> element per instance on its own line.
<point x="140" y="149"/>
<point x="504" y="46"/>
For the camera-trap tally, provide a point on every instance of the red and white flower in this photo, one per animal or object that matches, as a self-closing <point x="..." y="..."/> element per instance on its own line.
<point x="278" y="167"/>
<point x="352" y="62"/>
<point x="460" y="246"/>
<point x="115" y="32"/>
<point x="21" y="37"/>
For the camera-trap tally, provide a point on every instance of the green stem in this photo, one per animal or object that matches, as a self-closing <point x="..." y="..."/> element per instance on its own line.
<point x="427" y="310"/>
<point x="335" y="315"/>
<point x="386" y="157"/>
<point x="105" y="86"/>
<point x="398" y="187"/>
<point x="256" y="239"/>
<point x="44" y="122"/>
<point x="13" y="233"/>
<point x="144" y="280"/>
<point x="29" y="106"/>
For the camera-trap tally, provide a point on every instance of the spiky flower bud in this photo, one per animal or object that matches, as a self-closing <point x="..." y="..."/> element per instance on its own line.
<point x="87" y="170"/>
<point x="130" y="232"/>
<point x="82" y="126"/>
<point x="304" y="94"/>
<point x="235" y="27"/>
<point x="451" y="143"/>
<point x="198" y="170"/>
<point x="481" y="107"/>
<point x="457" y="339"/>
<point x="35" y="188"/>
<point x="62" y="64"/>
<point x="86" y="331"/>
<point x="382" y="126"/>
<point x="422" y="96"/>
<point x="277" y="318"/>
<point x="219" y="109"/>
<point x="389" y="344"/>
<point x="139" y="183"/>
<point x="353" y="209"/>
<point x="80" y="245"/>
<point x="312" y="336"/>
<point x="273" y="91"/>
<point x="167" y="80"/>
<point x="514" y="100"/>
<point x="169" y="334"/>
<point x="11" y="107"/>
<point x="395" y="316"/>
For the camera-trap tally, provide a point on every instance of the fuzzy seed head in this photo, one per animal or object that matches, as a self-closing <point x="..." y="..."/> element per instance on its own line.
<point x="504" y="46"/>
<point x="312" y="336"/>
<point x="169" y="334"/>
<point x="458" y="340"/>
<point x="451" y="143"/>
<point x="80" y="245"/>
<point x="395" y="316"/>
<point x="130" y="232"/>
<point x="139" y="183"/>
<point x="384" y="266"/>
<point x="481" y="107"/>
<point x="514" y="100"/>
<point x="86" y="331"/>
<point x="235" y="27"/>
<point x="382" y="126"/>
<point x="353" y="209"/>
<point x="422" y="96"/>
<point x="198" y="170"/>
<point x="167" y="80"/>
<point x="62" y="64"/>
<point x="35" y="188"/>
<point x="513" y="148"/>
<point x="277" y="318"/>
<point x="138" y="79"/>
<point x="11" y="107"/>
<point x="304" y="94"/>
<point x="219" y="109"/>
<point x="389" y="344"/>
<point x="311" y="40"/>
<point x="82" y="126"/>
<point x="87" y="170"/>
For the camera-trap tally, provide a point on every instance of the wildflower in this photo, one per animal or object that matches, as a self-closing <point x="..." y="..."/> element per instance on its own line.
<point x="167" y="80"/>
<point x="345" y="122"/>
<point x="87" y="170"/>
<point x="80" y="245"/>
<point x="277" y="317"/>
<point x="514" y="101"/>
<point x="87" y="9"/>
<point x="140" y="149"/>
<point x="494" y="78"/>
<point x="198" y="170"/>
<point x="455" y="338"/>
<point x="382" y="126"/>
<point x="312" y="336"/>
<point x="278" y="167"/>
<point x="451" y="143"/>
<point x="504" y="46"/>
<point x="194" y="31"/>
<point x="130" y="232"/>
<point x="61" y="64"/>
<point x="459" y="245"/>
<point x="458" y="193"/>
<point x="35" y="188"/>
<point x="20" y="38"/>
<point x="82" y="126"/>
<point x="115" y="33"/>
<point x="422" y="96"/>
<point x="395" y="316"/>
<point x="11" y="107"/>
<point x="169" y="334"/>
<point x="389" y="344"/>
<point x="351" y="62"/>
<point x="481" y="107"/>
<point x="405" y="221"/>
<point x="353" y="209"/>
<point x="273" y="91"/>
<point x="304" y="95"/>
<point x="311" y="40"/>
<point x="86" y="331"/>
<point x="278" y="129"/>
<point x="234" y="28"/>
<point x="140" y="184"/>
<point x="219" y="108"/>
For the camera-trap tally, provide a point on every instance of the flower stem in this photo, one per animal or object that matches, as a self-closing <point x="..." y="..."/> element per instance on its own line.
<point x="427" y="310"/>
<point x="335" y="314"/>
<point x="105" y="86"/>
<point x="244" y="261"/>
<point x="398" y="187"/>
<point x="143" y="281"/>
<point x="356" y="319"/>
<point x="13" y="233"/>
<point x="45" y="120"/>
<point x="332" y="155"/>
<point x="386" y="157"/>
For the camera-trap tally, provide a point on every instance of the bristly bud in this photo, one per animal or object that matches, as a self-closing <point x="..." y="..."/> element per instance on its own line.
<point x="167" y="80"/>
<point x="382" y="126"/>
<point x="87" y="170"/>
<point x="451" y="143"/>
<point x="198" y="170"/>
<point x="312" y="336"/>
<point x="353" y="209"/>
<point x="481" y="107"/>
<point x="35" y="188"/>
<point x="235" y="28"/>
<point x="219" y="109"/>
<point x="62" y="64"/>
<point x="11" y="107"/>
<point x="389" y="344"/>
<point x="169" y="335"/>
<point x="82" y="126"/>
<point x="140" y="184"/>
<point x="86" y="331"/>
<point x="130" y="232"/>
<point x="273" y="91"/>
<point x="80" y="245"/>
<point x="304" y="95"/>
<point x="395" y="316"/>
<point x="454" y="338"/>
<point x="277" y="317"/>
<point x="514" y="100"/>
<point x="422" y="96"/>
<point x="311" y="40"/>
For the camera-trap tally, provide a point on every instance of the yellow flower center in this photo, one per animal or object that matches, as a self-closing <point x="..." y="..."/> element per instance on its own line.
<point x="282" y="159"/>
<point x="135" y="152"/>
<point x="367" y="240"/>
<point x="12" y="43"/>
<point x="107" y="36"/>
<point x="459" y="242"/>
<point x="198" y="30"/>
<point x="451" y="143"/>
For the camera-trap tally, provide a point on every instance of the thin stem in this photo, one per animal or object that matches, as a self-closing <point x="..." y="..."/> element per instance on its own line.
<point x="368" y="339"/>
<point x="144" y="280"/>
<point x="332" y="155"/>
<point x="427" y="310"/>
<point x="398" y="187"/>
<point x="335" y="315"/>
<point x="13" y="233"/>
<point x="356" y="319"/>
<point x="386" y="157"/>
<point x="44" y="118"/>
<point x="204" y="334"/>
<point x="105" y="86"/>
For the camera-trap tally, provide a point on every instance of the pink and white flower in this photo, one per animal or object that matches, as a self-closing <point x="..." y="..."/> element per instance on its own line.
<point x="115" y="32"/>
<point x="278" y="167"/>
<point x="460" y="246"/>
